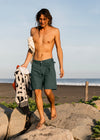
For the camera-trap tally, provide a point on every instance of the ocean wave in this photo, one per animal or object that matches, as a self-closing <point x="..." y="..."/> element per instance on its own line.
<point x="78" y="84"/>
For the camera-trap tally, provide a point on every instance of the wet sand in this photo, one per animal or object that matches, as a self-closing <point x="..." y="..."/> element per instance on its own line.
<point x="63" y="94"/>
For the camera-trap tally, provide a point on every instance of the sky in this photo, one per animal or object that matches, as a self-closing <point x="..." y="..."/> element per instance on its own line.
<point x="79" y="25"/>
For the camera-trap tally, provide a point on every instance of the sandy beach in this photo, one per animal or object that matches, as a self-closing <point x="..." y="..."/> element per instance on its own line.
<point x="63" y="94"/>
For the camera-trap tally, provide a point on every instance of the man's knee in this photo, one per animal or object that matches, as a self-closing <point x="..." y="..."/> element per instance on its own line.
<point x="48" y="91"/>
<point x="38" y="93"/>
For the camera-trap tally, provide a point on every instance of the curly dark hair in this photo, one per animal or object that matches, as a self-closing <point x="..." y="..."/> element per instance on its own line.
<point x="46" y="13"/>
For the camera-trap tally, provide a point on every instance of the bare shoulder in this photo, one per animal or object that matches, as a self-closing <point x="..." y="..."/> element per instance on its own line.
<point x="55" y="30"/>
<point x="33" y="30"/>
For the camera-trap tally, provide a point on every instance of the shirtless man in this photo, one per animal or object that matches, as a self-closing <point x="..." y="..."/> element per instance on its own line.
<point x="43" y="72"/>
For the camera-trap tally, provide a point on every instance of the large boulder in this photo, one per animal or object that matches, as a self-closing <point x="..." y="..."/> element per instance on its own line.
<point x="73" y="120"/>
<point x="17" y="122"/>
<point x="4" y="121"/>
<point x="47" y="133"/>
<point x="3" y="125"/>
<point x="78" y="118"/>
<point x="6" y="110"/>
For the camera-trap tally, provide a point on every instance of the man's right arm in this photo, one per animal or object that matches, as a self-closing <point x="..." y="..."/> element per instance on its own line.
<point x="28" y="58"/>
<point x="29" y="53"/>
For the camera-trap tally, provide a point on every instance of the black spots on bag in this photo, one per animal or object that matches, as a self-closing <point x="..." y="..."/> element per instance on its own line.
<point x="22" y="98"/>
<point x="18" y="78"/>
<point x="20" y="87"/>
<point x="29" y="82"/>
<point x="19" y="92"/>
<point x="22" y="80"/>
<point x="21" y="73"/>
<point x="18" y="98"/>
<point x="16" y="72"/>
<point x="16" y="85"/>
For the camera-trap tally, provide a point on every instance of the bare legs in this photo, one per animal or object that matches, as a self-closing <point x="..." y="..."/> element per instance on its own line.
<point x="51" y="99"/>
<point x="39" y="102"/>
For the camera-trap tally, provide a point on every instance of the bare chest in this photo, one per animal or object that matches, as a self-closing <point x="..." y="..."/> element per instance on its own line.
<point x="43" y="38"/>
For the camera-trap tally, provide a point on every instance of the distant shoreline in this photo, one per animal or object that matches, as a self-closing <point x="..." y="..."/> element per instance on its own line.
<point x="67" y="82"/>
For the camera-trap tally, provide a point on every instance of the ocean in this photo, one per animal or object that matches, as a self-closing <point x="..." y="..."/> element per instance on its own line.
<point x="78" y="82"/>
<point x="65" y="81"/>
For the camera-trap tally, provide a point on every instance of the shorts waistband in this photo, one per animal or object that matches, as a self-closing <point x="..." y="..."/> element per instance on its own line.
<point x="44" y="61"/>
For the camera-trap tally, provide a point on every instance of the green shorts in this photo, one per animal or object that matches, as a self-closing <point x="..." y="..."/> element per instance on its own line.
<point x="43" y="74"/>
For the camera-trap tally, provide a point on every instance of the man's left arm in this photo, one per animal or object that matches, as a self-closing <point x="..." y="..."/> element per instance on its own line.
<point x="59" y="52"/>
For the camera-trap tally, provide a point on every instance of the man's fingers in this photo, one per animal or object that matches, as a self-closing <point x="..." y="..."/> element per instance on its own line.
<point x="61" y="75"/>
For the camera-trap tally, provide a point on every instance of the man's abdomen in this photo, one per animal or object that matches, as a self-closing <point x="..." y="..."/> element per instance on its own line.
<point x="42" y="55"/>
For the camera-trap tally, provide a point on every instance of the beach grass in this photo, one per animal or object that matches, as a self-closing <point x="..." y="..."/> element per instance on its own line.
<point x="9" y="105"/>
<point x="96" y="130"/>
<point x="90" y="102"/>
<point x="32" y="105"/>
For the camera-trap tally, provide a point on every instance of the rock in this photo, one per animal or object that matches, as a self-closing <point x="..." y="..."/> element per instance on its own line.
<point x="3" y="125"/>
<point x="78" y="118"/>
<point x="17" y="122"/>
<point x="47" y="133"/>
<point x="4" y="117"/>
<point x="97" y="102"/>
<point x="6" y="110"/>
<point x="73" y="120"/>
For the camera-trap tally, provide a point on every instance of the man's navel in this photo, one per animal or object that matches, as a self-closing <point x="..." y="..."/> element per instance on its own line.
<point x="40" y="55"/>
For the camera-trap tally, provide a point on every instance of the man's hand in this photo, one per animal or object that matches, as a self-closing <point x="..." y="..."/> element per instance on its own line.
<point x="23" y="65"/>
<point x="61" y="72"/>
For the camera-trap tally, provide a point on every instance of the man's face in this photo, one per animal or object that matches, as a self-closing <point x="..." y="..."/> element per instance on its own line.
<point x="43" y="21"/>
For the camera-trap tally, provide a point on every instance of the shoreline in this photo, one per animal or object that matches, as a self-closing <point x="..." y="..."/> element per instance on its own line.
<point x="63" y="94"/>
